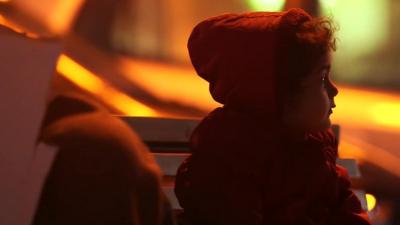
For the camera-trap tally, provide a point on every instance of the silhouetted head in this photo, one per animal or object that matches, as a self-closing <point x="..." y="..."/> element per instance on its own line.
<point x="262" y="63"/>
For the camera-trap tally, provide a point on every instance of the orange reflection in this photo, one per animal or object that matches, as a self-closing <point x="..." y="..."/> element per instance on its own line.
<point x="91" y="83"/>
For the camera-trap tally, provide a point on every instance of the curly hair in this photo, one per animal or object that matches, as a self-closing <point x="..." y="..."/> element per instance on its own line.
<point x="317" y="35"/>
<point x="303" y="46"/>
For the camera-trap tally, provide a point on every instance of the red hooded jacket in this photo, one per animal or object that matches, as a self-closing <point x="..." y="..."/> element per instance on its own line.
<point x="245" y="168"/>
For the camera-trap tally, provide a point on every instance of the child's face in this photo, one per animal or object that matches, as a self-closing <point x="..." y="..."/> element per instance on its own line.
<point x="310" y="110"/>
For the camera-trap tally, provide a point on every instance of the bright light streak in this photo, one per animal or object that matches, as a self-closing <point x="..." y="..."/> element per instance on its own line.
<point x="356" y="107"/>
<point x="86" y="80"/>
<point x="387" y="114"/>
<point x="371" y="201"/>
<point x="81" y="76"/>
<point x="266" y="5"/>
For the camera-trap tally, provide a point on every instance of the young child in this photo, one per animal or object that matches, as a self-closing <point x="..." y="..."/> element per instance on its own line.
<point x="268" y="155"/>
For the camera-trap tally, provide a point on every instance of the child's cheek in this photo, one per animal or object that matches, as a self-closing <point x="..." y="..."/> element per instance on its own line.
<point x="320" y="105"/>
<point x="324" y="105"/>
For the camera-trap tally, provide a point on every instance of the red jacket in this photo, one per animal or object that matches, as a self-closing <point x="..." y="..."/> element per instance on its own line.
<point x="245" y="168"/>
<point x="243" y="173"/>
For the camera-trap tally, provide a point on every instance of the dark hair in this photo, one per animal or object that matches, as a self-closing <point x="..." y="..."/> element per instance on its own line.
<point x="317" y="35"/>
<point x="302" y="49"/>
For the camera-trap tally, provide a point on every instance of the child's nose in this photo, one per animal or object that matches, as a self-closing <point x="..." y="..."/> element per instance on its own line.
<point x="332" y="89"/>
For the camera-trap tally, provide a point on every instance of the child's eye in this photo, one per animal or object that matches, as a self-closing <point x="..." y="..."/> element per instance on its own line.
<point x="325" y="75"/>
<point x="324" y="78"/>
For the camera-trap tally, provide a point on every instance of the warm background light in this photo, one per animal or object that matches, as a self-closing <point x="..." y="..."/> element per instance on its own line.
<point x="363" y="35"/>
<point x="169" y="83"/>
<point x="386" y="113"/>
<point x="86" y="80"/>
<point x="358" y="107"/>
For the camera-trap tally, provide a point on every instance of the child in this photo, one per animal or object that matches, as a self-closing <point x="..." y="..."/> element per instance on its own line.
<point x="268" y="155"/>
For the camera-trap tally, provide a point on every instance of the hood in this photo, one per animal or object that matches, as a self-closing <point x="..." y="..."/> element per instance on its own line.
<point x="240" y="54"/>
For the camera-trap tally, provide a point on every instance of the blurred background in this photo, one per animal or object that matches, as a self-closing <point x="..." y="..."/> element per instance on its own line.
<point x="131" y="55"/>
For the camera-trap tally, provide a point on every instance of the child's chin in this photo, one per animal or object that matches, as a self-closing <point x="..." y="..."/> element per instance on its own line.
<point x="323" y="126"/>
<point x="326" y="124"/>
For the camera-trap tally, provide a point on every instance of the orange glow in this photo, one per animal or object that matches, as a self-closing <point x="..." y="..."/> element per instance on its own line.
<point x="386" y="113"/>
<point x="352" y="150"/>
<point x="91" y="83"/>
<point x="357" y="107"/>
<point x="365" y="110"/>
<point x="169" y="83"/>
<point x="80" y="75"/>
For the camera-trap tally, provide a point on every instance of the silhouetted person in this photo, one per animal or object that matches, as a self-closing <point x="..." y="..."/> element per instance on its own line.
<point x="103" y="174"/>
<point x="268" y="155"/>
